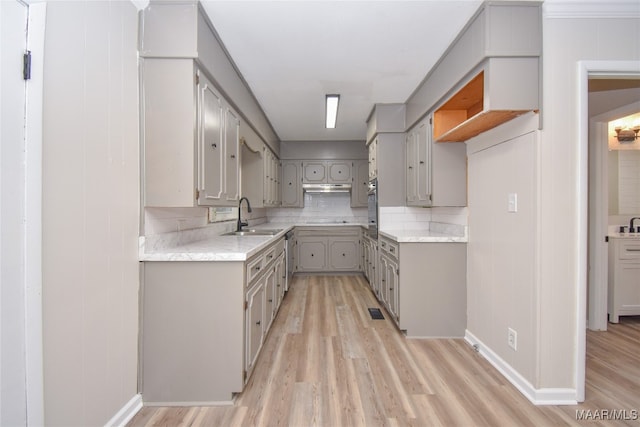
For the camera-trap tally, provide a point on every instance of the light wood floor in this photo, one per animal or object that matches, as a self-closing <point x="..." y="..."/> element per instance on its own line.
<point x="327" y="363"/>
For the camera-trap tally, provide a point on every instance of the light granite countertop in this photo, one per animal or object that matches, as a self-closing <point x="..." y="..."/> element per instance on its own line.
<point x="208" y="245"/>
<point x="422" y="236"/>
<point x="202" y="245"/>
<point x="631" y="236"/>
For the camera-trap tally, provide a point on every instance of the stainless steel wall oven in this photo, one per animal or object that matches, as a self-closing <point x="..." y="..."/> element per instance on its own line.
<point x="372" y="206"/>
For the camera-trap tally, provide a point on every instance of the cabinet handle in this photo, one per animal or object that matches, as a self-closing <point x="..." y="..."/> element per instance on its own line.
<point x="343" y="255"/>
<point x="270" y="299"/>
<point x="214" y="145"/>
<point x="633" y="250"/>
<point x="390" y="289"/>
<point x="422" y="162"/>
<point x="258" y="268"/>
<point x="311" y="254"/>
<point x="233" y="156"/>
<point x="392" y="249"/>
<point x="258" y="323"/>
<point x="410" y="167"/>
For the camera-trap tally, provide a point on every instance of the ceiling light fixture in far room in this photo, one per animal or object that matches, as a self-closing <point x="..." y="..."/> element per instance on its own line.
<point x="331" y="110"/>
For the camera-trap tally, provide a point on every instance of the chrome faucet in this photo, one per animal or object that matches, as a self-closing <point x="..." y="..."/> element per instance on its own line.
<point x="240" y="223"/>
<point x="631" y="229"/>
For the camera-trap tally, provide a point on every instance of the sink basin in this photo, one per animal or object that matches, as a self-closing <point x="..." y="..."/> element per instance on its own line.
<point x="253" y="232"/>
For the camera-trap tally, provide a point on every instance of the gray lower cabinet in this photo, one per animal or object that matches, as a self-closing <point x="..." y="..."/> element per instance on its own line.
<point x="327" y="249"/>
<point x="203" y="325"/>
<point x="423" y="287"/>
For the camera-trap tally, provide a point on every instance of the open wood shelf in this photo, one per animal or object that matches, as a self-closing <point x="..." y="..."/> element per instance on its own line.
<point x="463" y="115"/>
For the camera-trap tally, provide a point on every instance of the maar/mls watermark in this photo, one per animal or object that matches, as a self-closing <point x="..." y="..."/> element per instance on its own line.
<point x="607" y="414"/>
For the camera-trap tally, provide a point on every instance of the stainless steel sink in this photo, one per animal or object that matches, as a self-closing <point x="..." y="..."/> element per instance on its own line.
<point x="254" y="232"/>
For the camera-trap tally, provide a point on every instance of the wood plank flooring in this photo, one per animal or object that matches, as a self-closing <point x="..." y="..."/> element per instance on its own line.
<point x="327" y="363"/>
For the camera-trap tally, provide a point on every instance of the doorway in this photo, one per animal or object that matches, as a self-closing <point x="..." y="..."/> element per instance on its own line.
<point x="588" y="70"/>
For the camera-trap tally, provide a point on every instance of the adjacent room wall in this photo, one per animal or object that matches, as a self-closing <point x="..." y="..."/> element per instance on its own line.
<point x="91" y="210"/>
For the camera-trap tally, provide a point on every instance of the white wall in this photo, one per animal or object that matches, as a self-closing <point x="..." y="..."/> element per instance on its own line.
<point x="535" y="289"/>
<point x="570" y="35"/>
<point x="91" y="211"/>
<point x="502" y="249"/>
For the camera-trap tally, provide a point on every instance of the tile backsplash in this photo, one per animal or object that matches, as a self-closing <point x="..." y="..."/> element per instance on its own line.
<point x="413" y="218"/>
<point x="321" y="208"/>
<point x="318" y="208"/>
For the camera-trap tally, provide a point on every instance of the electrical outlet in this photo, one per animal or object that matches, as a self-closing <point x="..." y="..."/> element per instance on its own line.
<point x="512" y="339"/>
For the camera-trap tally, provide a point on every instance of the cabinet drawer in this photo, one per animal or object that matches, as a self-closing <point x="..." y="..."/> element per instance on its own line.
<point x="270" y="256"/>
<point x="389" y="247"/>
<point x="630" y="251"/>
<point x="254" y="267"/>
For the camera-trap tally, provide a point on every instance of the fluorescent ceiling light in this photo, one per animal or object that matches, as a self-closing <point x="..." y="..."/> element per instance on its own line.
<point x="331" y="110"/>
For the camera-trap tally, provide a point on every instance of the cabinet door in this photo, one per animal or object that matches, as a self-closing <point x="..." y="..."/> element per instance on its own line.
<point x="423" y="142"/>
<point x="343" y="254"/>
<point x="291" y="189"/>
<point x="360" y="188"/>
<point x="311" y="254"/>
<point x="392" y="280"/>
<point x="314" y="172"/>
<point x="412" y="169"/>
<point x="211" y="161"/>
<point x="383" y="289"/>
<point x="281" y="276"/>
<point x="339" y="172"/>
<point x="254" y="322"/>
<point x="270" y="298"/>
<point x="232" y="156"/>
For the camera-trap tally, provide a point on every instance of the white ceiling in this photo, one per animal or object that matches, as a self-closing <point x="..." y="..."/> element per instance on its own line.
<point x="292" y="53"/>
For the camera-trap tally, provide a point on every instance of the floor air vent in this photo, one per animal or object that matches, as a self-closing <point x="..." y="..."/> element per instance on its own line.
<point x="376" y="313"/>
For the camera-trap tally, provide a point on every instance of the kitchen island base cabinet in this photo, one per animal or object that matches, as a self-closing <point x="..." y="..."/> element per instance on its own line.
<point x="192" y="340"/>
<point x="433" y="289"/>
<point x="423" y="287"/>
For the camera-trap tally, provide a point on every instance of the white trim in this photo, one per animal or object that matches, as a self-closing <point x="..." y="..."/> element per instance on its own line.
<point x="544" y="396"/>
<point x="126" y="413"/>
<point x="33" y="218"/>
<point x="613" y="9"/>
<point x="585" y="69"/>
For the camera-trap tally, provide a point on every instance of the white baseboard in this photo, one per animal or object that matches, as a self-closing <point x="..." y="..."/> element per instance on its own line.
<point x="126" y="413"/>
<point x="543" y="396"/>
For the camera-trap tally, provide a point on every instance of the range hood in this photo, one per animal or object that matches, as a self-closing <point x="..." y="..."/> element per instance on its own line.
<point x="326" y="188"/>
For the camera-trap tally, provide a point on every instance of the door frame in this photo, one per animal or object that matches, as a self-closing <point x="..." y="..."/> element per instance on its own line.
<point x="585" y="70"/>
<point x="34" y="358"/>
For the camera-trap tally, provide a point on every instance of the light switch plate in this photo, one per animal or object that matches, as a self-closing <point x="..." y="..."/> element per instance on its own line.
<point x="513" y="202"/>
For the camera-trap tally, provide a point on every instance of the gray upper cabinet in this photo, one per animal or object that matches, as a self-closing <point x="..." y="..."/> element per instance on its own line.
<point x="360" y="186"/>
<point x="339" y="172"/>
<point x="292" y="196"/>
<point x="436" y="174"/>
<point x="487" y="76"/>
<point x="326" y="171"/>
<point x="314" y="172"/>
<point x="260" y="175"/>
<point x="190" y="137"/>
<point x="190" y="131"/>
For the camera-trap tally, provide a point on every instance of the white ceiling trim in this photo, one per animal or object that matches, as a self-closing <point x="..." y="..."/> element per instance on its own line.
<point x="614" y="9"/>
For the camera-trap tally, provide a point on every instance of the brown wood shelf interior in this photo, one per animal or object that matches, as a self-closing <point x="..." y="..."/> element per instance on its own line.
<point x="463" y="116"/>
<point x="466" y="103"/>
